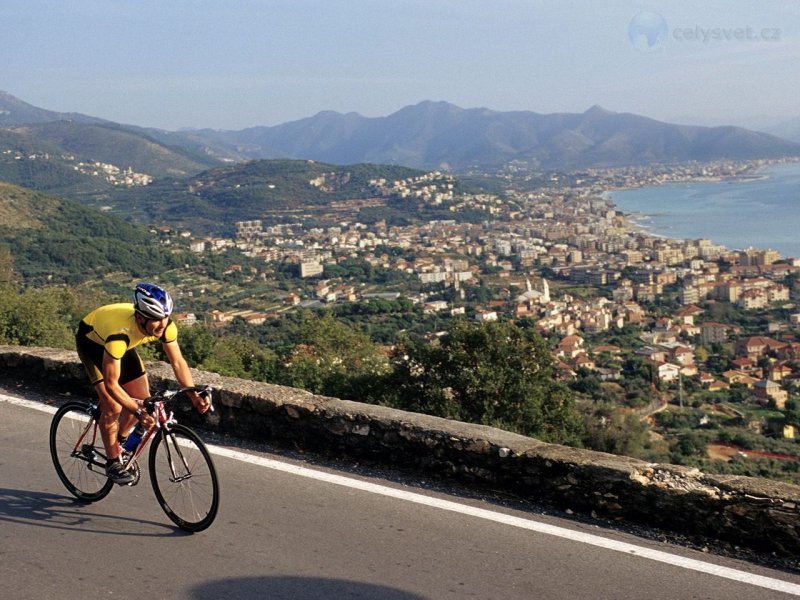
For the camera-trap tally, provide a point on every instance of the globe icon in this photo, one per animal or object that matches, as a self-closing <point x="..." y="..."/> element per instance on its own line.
<point x="647" y="31"/>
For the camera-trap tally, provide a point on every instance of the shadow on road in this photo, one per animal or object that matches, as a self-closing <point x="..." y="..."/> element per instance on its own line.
<point x="295" y="588"/>
<point x="42" y="509"/>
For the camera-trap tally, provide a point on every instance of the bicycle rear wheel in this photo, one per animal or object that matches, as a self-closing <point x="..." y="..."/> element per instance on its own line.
<point x="184" y="478"/>
<point x="79" y="463"/>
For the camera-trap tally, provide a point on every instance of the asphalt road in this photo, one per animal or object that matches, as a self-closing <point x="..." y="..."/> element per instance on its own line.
<point x="288" y="530"/>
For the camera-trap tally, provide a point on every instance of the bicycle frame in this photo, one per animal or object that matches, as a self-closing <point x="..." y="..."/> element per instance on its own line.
<point x="81" y="450"/>
<point x="162" y="419"/>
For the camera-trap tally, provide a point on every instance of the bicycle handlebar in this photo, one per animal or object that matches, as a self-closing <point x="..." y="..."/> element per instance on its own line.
<point x="150" y="402"/>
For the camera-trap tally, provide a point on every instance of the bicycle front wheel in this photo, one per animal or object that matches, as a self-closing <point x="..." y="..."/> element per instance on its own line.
<point x="184" y="478"/>
<point x="80" y="463"/>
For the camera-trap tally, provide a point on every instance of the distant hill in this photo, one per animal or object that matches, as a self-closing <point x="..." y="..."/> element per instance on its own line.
<point x="45" y="156"/>
<point x="42" y="149"/>
<point x="785" y="128"/>
<point x="14" y="111"/>
<point x="789" y="129"/>
<point x="212" y="201"/>
<point x="57" y="240"/>
<point x="195" y="144"/>
<point x="441" y="135"/>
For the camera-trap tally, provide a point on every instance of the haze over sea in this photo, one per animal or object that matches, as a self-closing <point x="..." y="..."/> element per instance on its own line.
<point x="763" y="212"/>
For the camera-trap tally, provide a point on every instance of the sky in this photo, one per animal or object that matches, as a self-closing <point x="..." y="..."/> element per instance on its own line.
<point x="233" y="64"/>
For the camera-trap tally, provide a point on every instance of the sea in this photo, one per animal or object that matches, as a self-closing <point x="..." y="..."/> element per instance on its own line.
<point x="761" y="211"/>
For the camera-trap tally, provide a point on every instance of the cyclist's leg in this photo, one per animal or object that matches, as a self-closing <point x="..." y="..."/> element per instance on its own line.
<point x="91" y="356"/>
<point x="133" y="380"/>
<point x="109" y="420"/>
<point x="109" y="428"/>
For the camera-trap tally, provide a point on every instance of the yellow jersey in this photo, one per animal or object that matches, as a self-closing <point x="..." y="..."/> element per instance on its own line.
<point x="114" y="328"/>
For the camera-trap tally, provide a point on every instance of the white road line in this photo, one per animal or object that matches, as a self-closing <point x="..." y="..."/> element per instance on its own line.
<point x="481" y="513"/>
<point x="28" y="404"/>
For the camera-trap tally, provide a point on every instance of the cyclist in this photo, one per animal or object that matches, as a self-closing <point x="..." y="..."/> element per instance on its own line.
<point x="106" y="342"/>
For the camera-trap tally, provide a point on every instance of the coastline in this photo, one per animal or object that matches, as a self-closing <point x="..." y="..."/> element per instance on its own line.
<point x="743" y="175"/>
<point x="748" y="172"/>
<point x="633" y="221"/>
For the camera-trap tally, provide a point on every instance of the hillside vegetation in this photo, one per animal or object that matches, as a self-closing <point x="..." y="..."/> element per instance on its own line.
<point x="21" y="208"/>
<point x="64" y="157"/>
<point x="57" y="240"/>
<point x="215" y="199"/>
<point x="116" y="145"/>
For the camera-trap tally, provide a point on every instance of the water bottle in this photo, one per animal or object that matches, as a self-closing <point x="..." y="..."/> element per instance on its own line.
<point x="134" y="438"/>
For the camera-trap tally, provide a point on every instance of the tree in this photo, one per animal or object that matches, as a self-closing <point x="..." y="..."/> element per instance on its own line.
<point x="235" y="356"/>
<point x="493" y="373"/>
<point x="39" y="317"/>
<point x="197" y="344"/>
<point x="332" y="359"/>
<point x="792" y="412"/>
<point x="689" y="443"/>
<point x="6" y="265"/>
<point x="608" y="429"/>
<point x="701" y="354"/>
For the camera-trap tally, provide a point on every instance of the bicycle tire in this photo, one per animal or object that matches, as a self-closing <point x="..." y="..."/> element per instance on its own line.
<point x="189" y="498"/>
<point x="82" y="473"/>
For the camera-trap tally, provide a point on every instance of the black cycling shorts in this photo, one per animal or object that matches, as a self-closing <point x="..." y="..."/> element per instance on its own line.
<point x="91" y="355"/>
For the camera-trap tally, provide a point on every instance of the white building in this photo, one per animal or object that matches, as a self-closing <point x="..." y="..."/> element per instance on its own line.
<point x="310" y="269"/>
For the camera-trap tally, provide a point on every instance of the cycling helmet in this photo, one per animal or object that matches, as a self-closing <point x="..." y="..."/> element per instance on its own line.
<point x="152" y="301"/>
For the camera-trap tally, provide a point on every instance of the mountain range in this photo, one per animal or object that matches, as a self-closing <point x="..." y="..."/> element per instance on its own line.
<point x="787" y="128"/>
<point x="441" y="135"/>
<point x="428" y="135"/>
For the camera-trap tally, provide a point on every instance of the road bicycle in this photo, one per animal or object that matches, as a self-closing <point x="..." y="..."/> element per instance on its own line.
<point x="182" y="473"/>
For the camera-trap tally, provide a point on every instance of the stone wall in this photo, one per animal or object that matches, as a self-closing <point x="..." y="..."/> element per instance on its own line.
<point x="757" y="513"/>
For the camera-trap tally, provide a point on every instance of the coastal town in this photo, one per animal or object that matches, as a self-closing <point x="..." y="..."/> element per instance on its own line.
<point x="563" y="258"/>
<point x="677" y="350"/>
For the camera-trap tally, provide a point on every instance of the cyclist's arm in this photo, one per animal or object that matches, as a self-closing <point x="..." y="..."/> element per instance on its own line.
<point x="179" y="364"/>
<point x="183" y="374"/>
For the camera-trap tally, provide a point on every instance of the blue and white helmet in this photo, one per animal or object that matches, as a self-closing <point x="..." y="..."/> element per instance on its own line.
<point x="152" y="301"/>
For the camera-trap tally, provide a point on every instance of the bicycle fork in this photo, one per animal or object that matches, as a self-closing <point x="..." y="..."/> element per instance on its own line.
<point x="171" y="442"/>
